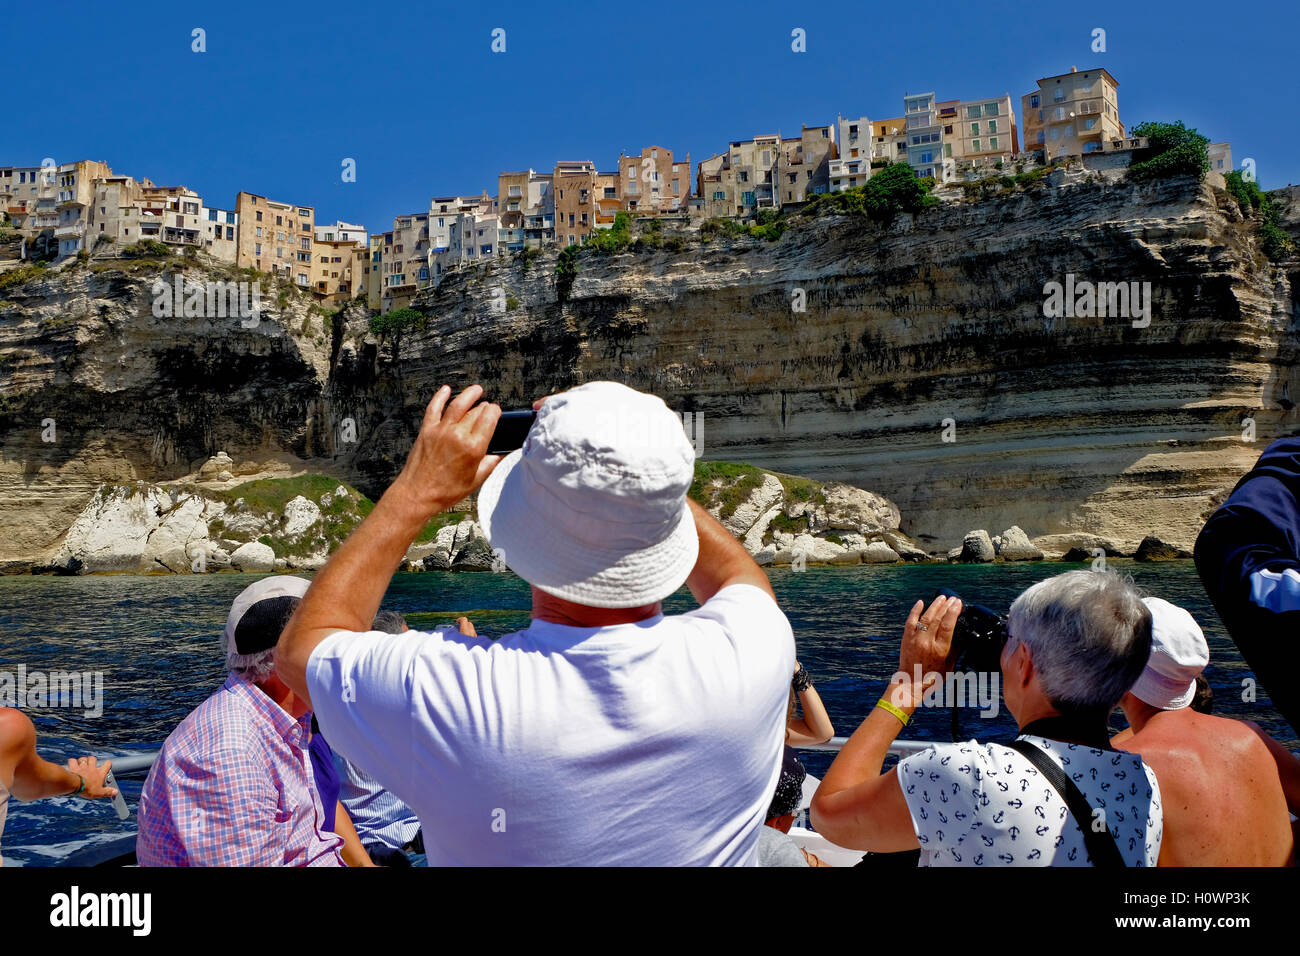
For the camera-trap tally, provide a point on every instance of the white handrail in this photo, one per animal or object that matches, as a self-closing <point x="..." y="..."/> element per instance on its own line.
<point x="899" y="748"/>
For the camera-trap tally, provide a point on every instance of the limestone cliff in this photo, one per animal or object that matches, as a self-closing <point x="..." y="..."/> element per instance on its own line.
<point x="1055" y="425"/>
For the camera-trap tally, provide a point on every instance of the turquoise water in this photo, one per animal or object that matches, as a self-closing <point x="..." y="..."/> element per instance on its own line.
<point x="156" y="641"/>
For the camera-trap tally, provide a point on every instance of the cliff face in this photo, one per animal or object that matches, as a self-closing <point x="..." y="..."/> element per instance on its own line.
<point x="922" y="368"/>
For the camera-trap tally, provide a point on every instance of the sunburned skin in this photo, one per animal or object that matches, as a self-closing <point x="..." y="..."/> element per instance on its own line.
<point x="1223" y="802"/>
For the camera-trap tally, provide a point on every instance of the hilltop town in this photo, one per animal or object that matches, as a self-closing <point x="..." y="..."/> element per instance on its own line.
<point x="81" y="208"/>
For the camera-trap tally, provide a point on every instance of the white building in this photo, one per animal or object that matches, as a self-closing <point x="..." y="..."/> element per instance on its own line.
<point x="341" y="232"/>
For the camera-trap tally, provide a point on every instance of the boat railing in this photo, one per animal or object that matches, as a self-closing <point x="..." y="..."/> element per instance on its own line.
<point x="138" y="764"/>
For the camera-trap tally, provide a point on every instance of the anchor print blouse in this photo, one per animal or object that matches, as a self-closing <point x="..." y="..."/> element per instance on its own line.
<point x="976" y="804"/>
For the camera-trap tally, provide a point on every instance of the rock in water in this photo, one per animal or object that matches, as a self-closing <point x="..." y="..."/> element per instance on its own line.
<point x="477" y="555"/>
<point x="977" y="546"/>
<point x="1153" y="549"/>
<point x="877" y="552"/>
<point x="1015" y="546"/>
<point x="253" y="556"/>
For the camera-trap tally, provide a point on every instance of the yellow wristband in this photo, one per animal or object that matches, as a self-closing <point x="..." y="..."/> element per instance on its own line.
<point x="896" y="711"/>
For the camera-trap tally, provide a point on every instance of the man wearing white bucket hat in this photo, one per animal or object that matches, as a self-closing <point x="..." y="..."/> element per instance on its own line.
<point x="1223" y="801"/>
<point x="605" y="733"/>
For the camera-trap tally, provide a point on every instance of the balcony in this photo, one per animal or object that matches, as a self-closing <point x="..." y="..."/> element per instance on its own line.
<point x="69" y="231"/>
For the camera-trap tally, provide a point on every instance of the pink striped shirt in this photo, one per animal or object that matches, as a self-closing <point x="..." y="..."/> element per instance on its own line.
<point x="232" y="786"/>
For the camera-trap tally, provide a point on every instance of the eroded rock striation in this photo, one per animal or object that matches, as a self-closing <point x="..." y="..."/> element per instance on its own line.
<point x="923" y="369"/>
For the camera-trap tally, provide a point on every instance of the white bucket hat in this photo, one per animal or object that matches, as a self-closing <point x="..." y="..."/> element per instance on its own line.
<point x="1179" y="652"/>
<point x="592" y="508"/>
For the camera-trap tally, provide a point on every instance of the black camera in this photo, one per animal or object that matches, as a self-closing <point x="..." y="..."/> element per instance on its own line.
<point x="979" y="637"/>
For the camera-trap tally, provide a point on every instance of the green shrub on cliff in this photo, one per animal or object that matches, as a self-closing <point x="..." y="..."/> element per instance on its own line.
<point x="396" y="322"/>
<point x="894" y="189"/>
<point x="1173" y="150"/>
<point x="147" y="249"/>
<point x="566" y="270"/>
<point x="615" y="239"/>
<point x="736" y="483"/>
<point x="1273" y="239"/>
<point x="16" y="277"/>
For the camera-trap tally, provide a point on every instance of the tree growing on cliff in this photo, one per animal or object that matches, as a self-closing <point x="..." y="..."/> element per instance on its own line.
<point x="1273" y="239"/>
<point x="1172" y="150"/>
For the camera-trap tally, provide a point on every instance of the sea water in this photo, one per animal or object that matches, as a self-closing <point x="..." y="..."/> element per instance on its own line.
<point x="156" y="642"/>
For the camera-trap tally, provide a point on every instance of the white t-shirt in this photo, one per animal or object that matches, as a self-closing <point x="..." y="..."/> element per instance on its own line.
<point x="976" y="804"/>
<point x="650" y="744"/>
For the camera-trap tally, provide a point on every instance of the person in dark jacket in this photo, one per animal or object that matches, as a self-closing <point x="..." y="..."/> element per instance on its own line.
<point x="1248" y="557"/>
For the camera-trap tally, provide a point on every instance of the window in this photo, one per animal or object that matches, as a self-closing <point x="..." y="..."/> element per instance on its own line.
<point x="212" y="214"/>
<point x="1040" y="136"/>
<point x="972" y="112"/>
<point x="948" y="130"/>
<point x="993" y="126"/>
<point x="279" y="237"/>
<point x="304" y="212"/>
<point x="719" y="196"/>
<point x="744" y="177"/>
<point x="259" y="215"/>
<point x="747" y="198"/>
<point x="929" y="157"/>
<point x="259" y="232"/>
<point x="230" y="218"/>
<point x="993" y="142"/>
<point x="990" y="109"/>
<point x="279" y="252"/>
<point x="306" y="243"/>
<point x="1033" y="101"/>
<point x="1058" y="94"/>
<point x="279" y="220"/>
<point x="230" y="233"/>
<point x="306" y="227"/>
<point x="974" y="129"/>
<point x="947" y="149"/>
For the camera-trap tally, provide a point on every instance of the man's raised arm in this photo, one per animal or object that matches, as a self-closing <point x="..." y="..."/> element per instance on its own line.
<point x="723" y="560"/>
<point x="447" y="461"/>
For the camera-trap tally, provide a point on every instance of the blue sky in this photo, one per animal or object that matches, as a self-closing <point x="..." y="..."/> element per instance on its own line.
<point x="413" y="92"/>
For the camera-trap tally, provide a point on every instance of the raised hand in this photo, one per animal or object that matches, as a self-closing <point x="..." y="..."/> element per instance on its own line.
<point x="449" y="458"/>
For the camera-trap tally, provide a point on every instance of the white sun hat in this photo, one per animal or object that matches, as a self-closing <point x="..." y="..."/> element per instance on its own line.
<point x="593" y="508"/>
<point x="1178" y="653"/>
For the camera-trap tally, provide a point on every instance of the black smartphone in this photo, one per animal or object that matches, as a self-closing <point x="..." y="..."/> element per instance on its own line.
<point x="512" y="429"/>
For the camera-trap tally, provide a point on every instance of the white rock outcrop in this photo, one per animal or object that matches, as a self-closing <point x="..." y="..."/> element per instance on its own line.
<point x="253" y="556"/>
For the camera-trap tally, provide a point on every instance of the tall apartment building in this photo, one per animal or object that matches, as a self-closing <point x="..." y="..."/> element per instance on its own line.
<point x="1072" y="113"/>
<point x="331" y="269"/>
<point x="21" y="187"/>
<point x="465" y="229"/>
<point x="651" y="182"/>
<point x="979" y="133"/>
<point x="219" y="233"/>
<point x="74" y="191"/>
<point x="275" y="237"/>
<point x="525" y="202"/>
<point x="171" y="214"/>
<point x="889" y="141"/>
<point x="853" y="167"/>
<point x="375" y="272"/>
<point x="767" y="172"/>
<point x="924" y="136"/>
<point x="575" y="183"/>
<point x="405" y="260"/>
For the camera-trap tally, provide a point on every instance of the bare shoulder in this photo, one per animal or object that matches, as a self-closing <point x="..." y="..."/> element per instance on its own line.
<point x="17" y="732"/>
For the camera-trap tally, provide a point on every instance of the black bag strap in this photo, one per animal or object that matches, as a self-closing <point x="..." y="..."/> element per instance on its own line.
<point x="1101" y="847"/>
